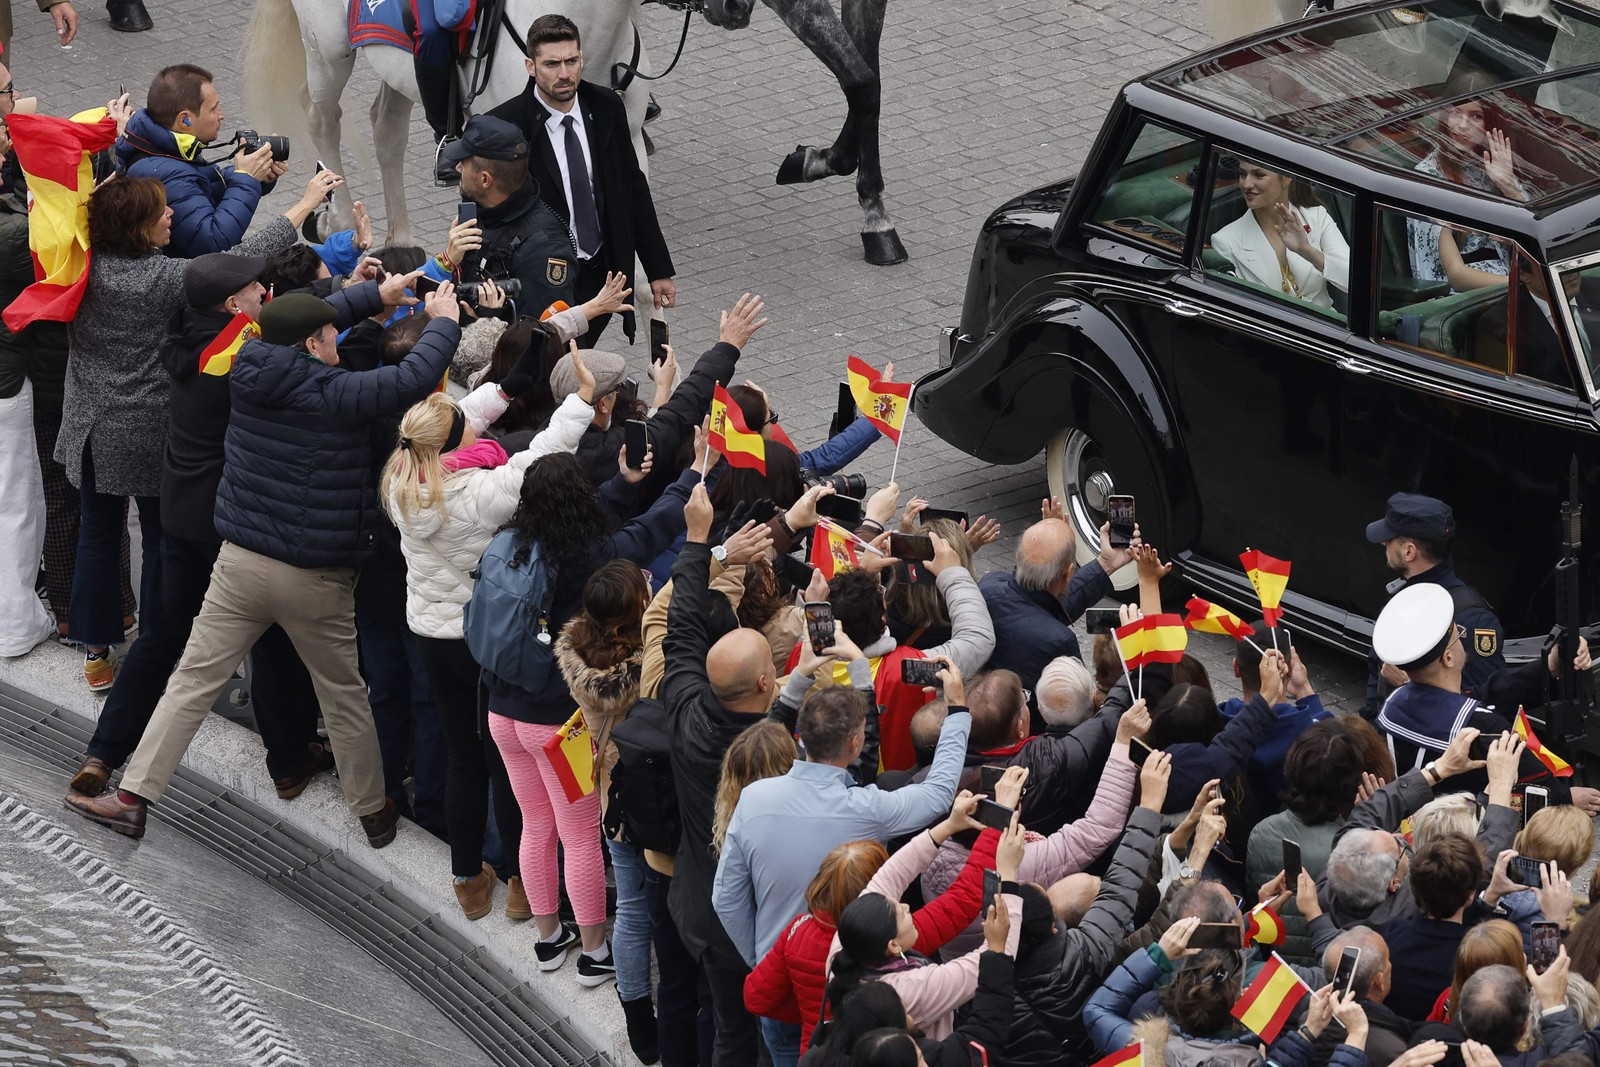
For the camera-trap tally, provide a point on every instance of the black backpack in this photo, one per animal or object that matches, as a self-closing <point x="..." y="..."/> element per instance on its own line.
<point x="643" y="805"/>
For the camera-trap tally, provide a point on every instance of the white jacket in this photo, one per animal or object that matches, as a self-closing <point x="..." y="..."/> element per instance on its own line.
<point x="477" y="502"/>
<point x="1253" y="259"/>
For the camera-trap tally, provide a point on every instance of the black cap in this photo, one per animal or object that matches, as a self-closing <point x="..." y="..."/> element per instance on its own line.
<point x="292" y="317"/>
<point x="487" y="138"/>
<point x="1411" y="515"/>
<point x="210" y="279"/>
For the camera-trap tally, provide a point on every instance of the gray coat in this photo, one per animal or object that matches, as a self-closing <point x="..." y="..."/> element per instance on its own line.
<point x="116" y="385"/>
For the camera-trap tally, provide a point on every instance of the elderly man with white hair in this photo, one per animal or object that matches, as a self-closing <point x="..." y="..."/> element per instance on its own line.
<point x="1064" y="695"/>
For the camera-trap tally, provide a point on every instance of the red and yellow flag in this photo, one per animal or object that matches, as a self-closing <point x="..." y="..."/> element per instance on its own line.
<point x="1553" y="763"/>
<point x="1132" y="1056"/>
<point x="217" y="357"/>
<point x="731" y="437"/>
<point x="1210" y="619"/>
<point x="1270" y="577"/>
<point x="54" y="154"/>
<point x="883" y="403"/>
<point x="1152" y="639"/>
<point x="833" y="549"/>
<point x="1271" y="999"/>
<point x="780" y="438"/>
<point x="571" y="756"/>
<point x="1266" y="926"/>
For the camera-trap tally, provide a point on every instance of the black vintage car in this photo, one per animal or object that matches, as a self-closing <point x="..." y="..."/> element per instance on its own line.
<point x="1159" y="326"/>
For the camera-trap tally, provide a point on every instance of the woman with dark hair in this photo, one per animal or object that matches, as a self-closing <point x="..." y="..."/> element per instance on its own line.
<point x="1185" y="722"/>
<point x="114" y="418"/>
<point x="1286" y="240"/>
<point x="917" y="613"/>
<point x="558" y="510"/>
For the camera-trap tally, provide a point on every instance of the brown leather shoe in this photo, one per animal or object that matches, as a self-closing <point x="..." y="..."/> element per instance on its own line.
<point x="517" y="909"/>
<point x="92" y="776"/>
<point x="380" y="825"/>
<point x="107" y="809"/>
<point x="318" y="759"/>
<point x="475" y="894"/>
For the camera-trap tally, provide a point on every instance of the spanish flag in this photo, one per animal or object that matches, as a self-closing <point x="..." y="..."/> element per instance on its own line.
<point x="54" y="154"/>
<point x="1553" y="763"/>
<point x="833" y="549"/>
<point x="1210" y="619"/>
<point x="1132" y="1056"/>
<point x="731" y="437"/>
<point x="571" y="755"/>
<point x="1270" y="577"/>
<point x="217" y="357"/>
<point x="1271" y="999"/>
<point x="1266" y="926"/>
<point x="777" y="436"/>
<point x="1152" y="639"/>
<point x="883" y="403"/>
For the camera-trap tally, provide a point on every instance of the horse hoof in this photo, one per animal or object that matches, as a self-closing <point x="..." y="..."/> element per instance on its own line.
<point x="792" y="171"/>
<point x="649" y="143"/>
<point x="883" y="248"/>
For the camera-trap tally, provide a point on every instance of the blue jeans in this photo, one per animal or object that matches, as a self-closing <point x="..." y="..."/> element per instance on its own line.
<point x="783" y="1041"/>
<point x="397" y="687"/>
<point x="96" y="614"/>
<point x="630" y="933"/>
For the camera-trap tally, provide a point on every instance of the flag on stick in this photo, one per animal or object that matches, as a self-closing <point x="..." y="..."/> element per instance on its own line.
<point x="1132" y="1056"/>
<point x="730" y="436"/>
<point x="55" y="153"/>
<point x="1210" y="619"/>
<point x="883" y="403"/>
<point x="1266" y="926"/>
<point x="1270" y="578"/>
<point x="834" y="549"/>
<point x="1553" y="763"/>
<point x="217" y="357"/>
<point x="571" y="755"/>
<point x="1152" y="639"/>
<point x="1271" y="999"/>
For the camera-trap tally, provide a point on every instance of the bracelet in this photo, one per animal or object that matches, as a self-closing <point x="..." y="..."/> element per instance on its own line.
<point x="444" y="263"/>
<point x="874" y="522"/>
<point x="1305" y="1032"/>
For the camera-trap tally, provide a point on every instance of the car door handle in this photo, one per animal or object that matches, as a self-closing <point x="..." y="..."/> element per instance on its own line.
<point x="1188" y="311"/>
<point x="1353" y="367"/>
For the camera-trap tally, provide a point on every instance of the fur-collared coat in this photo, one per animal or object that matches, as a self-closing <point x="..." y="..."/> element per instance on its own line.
<point x="604" y="693"/>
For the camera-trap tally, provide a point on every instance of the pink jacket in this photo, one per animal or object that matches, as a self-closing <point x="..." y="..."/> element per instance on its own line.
<point x="931" y="994"/>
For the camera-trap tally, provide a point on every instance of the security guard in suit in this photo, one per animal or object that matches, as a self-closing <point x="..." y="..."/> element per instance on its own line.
<point x="1417" y="533"/>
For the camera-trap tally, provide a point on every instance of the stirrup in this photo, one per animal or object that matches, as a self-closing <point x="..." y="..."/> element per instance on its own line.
<point x="445" y="175"/>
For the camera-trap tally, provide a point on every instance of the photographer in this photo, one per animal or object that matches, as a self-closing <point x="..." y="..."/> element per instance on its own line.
<point x="212" y="203"/>
<point x="515" y="235"/>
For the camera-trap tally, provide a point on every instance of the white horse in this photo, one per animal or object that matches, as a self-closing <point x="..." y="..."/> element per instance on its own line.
<point x="298" y="61"/>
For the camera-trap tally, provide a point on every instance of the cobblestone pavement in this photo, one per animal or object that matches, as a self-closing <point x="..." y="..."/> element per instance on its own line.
<point x="980" y="101"/>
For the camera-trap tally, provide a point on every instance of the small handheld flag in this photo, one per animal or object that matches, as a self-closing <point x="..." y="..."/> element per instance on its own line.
<point x="1151" y="639"/>
<point x="833" y="550"/>
<point x="730" y="436"/>
<point x="217" y="357"/>
<point x="1271" y="999"/>
<point x="883" y="403"/>
<point x="571" y="755"/>
<point x="1553" y="763"/>
<point x="1132" y="1056"/>
<point x="1266" y="926"/>
<point x="1270" y="577"/>
<point x="1211" y="619"/>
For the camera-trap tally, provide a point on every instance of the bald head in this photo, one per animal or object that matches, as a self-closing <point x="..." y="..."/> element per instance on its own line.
<point x="1372" y="970"/>
<point x="926" y="724"/>
<point x="739" y="667"/>
<point x="1045" y="555"/>
<point x="1071" y="898"/>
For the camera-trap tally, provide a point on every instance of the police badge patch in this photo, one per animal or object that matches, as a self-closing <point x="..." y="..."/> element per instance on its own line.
<point x="555" y="271"/>
<point x="1485" y="642"/>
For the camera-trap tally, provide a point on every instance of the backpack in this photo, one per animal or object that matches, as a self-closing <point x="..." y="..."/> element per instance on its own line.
<point x="507" y="620"/>
<point x="643" y="803"/>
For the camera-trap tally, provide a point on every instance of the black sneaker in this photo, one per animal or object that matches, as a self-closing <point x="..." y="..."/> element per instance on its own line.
<point x="593" y="972"/>
<point x="380" y="826"/>
<point x="553" y="954"/>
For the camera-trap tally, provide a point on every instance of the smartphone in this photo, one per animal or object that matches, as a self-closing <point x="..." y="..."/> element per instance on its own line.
<point x="1345" y="976"/>
<point x="1545" y="941"/>
<point x="844" y="510"/>
<point x="1217" y="935"/>
<point x="977" y="1055"/>
<point x="995" y="816"/>
<point x="819" y="626"/>
<point x="635" y="438"/>
<point x="1291" y="863"/>
<point x="911" y="546"/>
<point x="320" y="169"/>
<point x="991" y="889"/>
<point x="1524" y="870"/>
<point x="658" y="340"/>
<point x="1138" y="751"/>
<point x="1535" y="798"/>
<point x="844" y="413"/>
<point x="920" y="672"/>
<point x="1102" y="620"/>
<point x="466" y="211"/>
<point x="989" y="774"/>
<point x="423" y="286"/>
<point x="927" y="515"/>
<point x="1119" y="510"/>
<point x="1479" y="749"/>
<point x="792" y="572"/>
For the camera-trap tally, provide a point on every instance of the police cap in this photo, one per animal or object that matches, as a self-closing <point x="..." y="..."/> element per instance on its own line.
<point x="1415" y="627"/>
<point x="1413" y="515"/>
<point x="487" y="138"/>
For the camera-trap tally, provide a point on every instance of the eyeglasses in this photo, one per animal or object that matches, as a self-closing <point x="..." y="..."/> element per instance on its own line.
<point x="10" y="90"/>
<point x="772" y="418"/>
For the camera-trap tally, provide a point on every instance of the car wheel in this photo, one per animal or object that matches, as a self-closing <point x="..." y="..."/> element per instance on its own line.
<point x="1084" y="478"/>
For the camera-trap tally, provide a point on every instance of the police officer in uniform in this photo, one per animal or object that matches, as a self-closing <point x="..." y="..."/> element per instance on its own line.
<point x="1417" y="632"/>
<point x="1416" y="533"/>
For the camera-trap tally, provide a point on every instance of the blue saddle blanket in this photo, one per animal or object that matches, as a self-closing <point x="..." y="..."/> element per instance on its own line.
<point x="383" y="22"/>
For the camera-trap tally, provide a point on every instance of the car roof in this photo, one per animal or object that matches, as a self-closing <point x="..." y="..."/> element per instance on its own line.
<point x="1381" y="83"/>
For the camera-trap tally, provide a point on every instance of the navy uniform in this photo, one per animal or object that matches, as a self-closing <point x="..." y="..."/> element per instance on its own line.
<point x="1424" y="518"/>
<point x="1418" y="721"/>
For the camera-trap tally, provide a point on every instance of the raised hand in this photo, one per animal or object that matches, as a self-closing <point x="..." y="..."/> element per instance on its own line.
<point x="982" y="531"/>
<point x="739" y="325"/>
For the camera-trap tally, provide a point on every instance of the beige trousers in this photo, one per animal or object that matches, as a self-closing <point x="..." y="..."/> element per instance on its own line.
<point x="316" y="608"/>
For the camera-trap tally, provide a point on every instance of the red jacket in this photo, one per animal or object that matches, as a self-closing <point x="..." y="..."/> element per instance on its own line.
<point x="789" y="982"/>
<point x="897" y="702"/>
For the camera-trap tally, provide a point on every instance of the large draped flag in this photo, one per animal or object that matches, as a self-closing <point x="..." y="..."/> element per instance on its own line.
<point x="1132" y="1056"/>
<point x="1271" y="999"/>
<point x="571" y="756"/>
<point x="1152" y="639"/>
<point x="1266" y="926"/>
<point x="1210" y="619"/>
<point x="730" y="436"/>
<point x="1553" y="763"/>
<point x="55" y="153"/>
<point x="217" y="357"/>
<point x="883" y="403"/>
<point x="1270" y="577"/>
<point x="834" y="549"/>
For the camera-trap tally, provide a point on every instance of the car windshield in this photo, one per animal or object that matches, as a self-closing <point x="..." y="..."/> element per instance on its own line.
<point x="1580" y="284"/>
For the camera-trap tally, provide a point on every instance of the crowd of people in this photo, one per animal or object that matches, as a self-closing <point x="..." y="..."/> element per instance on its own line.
<point x="405" y="487"/>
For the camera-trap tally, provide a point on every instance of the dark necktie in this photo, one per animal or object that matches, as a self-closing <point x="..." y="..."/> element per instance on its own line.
<point x="585" y="221"/>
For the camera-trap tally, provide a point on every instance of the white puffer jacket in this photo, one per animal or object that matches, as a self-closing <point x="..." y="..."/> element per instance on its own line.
<point x="477" y="502"/>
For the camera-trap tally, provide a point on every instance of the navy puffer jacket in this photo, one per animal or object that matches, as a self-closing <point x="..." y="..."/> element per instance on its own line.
<point x="211" y="203"/>
<point x="297" y="481"/>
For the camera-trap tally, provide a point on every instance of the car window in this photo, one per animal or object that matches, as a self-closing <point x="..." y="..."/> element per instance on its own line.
<point x="1279" y="234"/>
<point x="1149" y="199"/>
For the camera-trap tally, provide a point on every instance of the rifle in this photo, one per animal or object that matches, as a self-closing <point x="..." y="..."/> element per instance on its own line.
<point x="1566" y="715"/>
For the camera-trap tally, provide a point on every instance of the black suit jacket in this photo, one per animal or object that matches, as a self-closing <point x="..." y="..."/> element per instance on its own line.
<point x="1539" y="352"/>
<point x="622" y="196"/>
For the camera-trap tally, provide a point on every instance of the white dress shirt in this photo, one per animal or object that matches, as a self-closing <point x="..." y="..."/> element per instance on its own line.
<point x="555" y="128"/>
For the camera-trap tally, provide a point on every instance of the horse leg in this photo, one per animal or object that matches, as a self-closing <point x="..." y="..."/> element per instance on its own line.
<point x="863" y="20"/>
<point x="325" y="85"/>
<point x="391" y="125"/>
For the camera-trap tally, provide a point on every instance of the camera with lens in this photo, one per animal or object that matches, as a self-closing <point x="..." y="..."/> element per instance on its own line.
<point x="251" y="141"/>
<point x="851" y="485"/>
<point x="472" y="292"/>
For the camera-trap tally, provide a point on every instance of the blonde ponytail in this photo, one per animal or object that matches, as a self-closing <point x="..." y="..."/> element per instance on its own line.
<point x="413" y="470"/>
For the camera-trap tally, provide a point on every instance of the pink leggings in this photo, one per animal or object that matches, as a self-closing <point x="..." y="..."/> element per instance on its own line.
<point x="547" y="815"/>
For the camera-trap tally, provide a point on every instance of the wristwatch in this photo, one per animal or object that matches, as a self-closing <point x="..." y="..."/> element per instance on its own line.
<point x="720" y="554"/>
<point x="1187" y="873"/>
<point x="1430" y="773"/>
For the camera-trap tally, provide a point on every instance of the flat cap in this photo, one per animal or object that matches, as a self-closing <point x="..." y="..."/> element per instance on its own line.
<point x="293" y="317"/>
<point x="608" y="369"/>
<point x="1415" y="627"/>
<point x="487" y="138"/>
<point x="210" y="279"/>
<point x="1413" y="515"/>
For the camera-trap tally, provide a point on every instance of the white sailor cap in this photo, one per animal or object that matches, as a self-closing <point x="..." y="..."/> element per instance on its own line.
<point x="1415" y="627"/>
